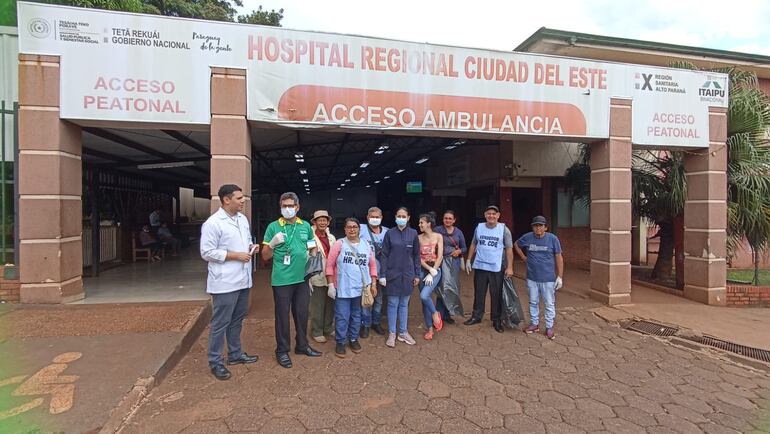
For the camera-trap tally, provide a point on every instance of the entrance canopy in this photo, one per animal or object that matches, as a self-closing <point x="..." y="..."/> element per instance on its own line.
<point x="139" y="68"/>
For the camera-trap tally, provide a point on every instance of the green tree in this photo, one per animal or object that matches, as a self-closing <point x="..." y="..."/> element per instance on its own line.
<point x="215" y="10"/>
<point x="659" y="187"/>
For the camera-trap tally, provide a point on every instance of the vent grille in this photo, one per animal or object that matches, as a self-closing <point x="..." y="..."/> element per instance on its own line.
<point x="753" y="353"/>
<point x="651" y="328"/>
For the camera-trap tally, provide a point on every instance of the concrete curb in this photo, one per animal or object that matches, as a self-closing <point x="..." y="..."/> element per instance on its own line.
<point x="131" y="401"/>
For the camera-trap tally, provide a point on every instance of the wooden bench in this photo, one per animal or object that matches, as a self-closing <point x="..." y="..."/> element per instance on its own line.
<point x="142" y="253"/>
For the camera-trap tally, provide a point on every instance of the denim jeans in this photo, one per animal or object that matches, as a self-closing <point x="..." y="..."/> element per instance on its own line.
<point x="347" y="319"/>
<point x="428" y="308"/>
<point x="373" y="315"/>
<point x="227" y="315"/>
<point x="398" y="305"/>
<point x="548" y="291"/>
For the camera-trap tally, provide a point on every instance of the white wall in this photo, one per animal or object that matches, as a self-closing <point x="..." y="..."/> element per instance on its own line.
<point x="542" y="159"/>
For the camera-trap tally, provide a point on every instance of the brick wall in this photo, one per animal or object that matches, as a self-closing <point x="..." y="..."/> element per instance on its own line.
<point x="747" y="295"/>
<point x="9" y="288"/>
<point x="576" y="246"/>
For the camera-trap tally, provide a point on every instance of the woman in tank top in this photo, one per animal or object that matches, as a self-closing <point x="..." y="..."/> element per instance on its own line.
<point x="431" y="254"/>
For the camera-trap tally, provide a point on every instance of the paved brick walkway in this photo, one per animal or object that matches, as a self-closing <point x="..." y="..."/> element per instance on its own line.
<point x="594" y="377"/>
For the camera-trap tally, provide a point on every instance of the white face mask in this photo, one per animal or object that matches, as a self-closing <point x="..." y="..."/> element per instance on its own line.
<point x="288" y="213"/>
<point x="401" y="221"/>
<point x="375" y="222"/>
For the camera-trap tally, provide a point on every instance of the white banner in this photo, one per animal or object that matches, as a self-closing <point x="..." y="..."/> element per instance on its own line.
<point x="129" y="67"/>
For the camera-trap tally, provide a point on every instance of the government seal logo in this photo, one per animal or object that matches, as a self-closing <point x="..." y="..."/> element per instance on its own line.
<point x="39" y="28"/>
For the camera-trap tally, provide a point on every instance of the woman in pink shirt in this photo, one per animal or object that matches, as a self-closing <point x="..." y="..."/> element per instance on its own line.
<point x="350" y="267"/>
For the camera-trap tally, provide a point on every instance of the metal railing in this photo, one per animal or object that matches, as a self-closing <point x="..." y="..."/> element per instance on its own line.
<point x="9" y="115"/>
<point x="108" y="244"/>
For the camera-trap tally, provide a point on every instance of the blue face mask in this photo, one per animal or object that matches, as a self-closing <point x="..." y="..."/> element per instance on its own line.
<point x="401" y="221"/>
<point x="288" y="213"/>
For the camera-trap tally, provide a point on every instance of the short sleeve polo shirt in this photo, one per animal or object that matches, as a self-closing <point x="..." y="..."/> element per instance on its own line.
<point x="297" y="235"/>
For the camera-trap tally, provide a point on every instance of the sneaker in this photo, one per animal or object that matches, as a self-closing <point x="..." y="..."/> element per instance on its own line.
<point x="533" y="328"/>
<point x="549" y="333"/>
<point x="406" y="338"/>
<point x="355" y="347"/>
<point x="319" y="339"/>
<point x="428" y="335"/>
<point x="339" y="351"/>
<point x="391" y="342"/>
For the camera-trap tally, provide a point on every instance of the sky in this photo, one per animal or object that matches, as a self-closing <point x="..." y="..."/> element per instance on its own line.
<point x="735" y="25"/>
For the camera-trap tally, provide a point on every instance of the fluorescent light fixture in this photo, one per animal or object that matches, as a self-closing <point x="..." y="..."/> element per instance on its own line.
<point x="353" y="174"/>
<point x="450" y="147"/>
<point x="347" y="180"/>
<point x="421" y="160"/>
<point x="364" y="164"/>
<point x="386" y="177"/>
<point x="303" y="171"/>
<point x="168" y="165"/>
<point x="339" y="188"/>
<point x="300" y="160"/>
<point x="382" y="149"/>
<point x="400" y="171"/>
<point x="299" y="155"/>
<point x="377" y="181"/>
<point x="459" y="142"/>
<point x="342" y="185"/>
<point x="369" y="186"/>
<point x="305" y="180"/>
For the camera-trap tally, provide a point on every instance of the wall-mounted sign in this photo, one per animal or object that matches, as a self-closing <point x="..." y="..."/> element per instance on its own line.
<point x="131" y="67"/>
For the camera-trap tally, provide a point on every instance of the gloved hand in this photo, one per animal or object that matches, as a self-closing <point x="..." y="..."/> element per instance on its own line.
<point x="558" y="284"/>
<point x="433" y="272"/>
<point x="428" y="280"/>
<point x="468" y="266"/>
<point x="278" y="238"/>
<point x="383" y="282"/>
<point x="332" y="291"/>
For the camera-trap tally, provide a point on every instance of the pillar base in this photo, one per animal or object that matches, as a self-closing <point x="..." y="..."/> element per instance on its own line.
<point x="609" y="299"/>
<point x="52" y="293"/>
<point x="712" y="296"/>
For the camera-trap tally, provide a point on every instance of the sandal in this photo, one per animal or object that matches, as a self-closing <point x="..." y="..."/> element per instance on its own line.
<point x="438" y="324"/>
<point x="428" y="335"/>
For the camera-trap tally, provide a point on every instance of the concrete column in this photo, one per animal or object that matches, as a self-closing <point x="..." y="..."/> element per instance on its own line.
<point x="50" y="189"/>
<point x="611" y="209"/>
<point x="230" y="138"/>
<point x="705" y="216"/>
<point x="506" y="206"/>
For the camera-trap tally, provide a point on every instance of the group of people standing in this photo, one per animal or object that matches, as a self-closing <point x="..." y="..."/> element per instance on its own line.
<point x="380" y="264"/>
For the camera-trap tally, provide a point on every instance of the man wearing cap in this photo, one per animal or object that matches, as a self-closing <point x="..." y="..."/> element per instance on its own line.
<point x="323" y="294"/>
<point x="492" y="244"/>
<point x="541" y="251"/>
<point x="287" y="242"/>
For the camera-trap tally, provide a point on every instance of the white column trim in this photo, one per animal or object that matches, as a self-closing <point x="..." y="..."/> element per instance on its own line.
<point x="49" y="197"/>
<point x="599" y="261"/>
<point x="51" y="240"/>
<point x="53" y="153"/>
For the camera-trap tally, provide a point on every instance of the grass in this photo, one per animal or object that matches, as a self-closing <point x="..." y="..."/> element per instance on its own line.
<point x="746" y="276"/>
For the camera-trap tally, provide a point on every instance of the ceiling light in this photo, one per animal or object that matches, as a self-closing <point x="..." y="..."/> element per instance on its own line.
<point x="353" y="174"/>
<point x="338" y="188"/>
<point x="450" y="147"/>
<point x="305" y="180"/>
<point x="168" y="165"/>
<point x="347" y="180"/>
<point x="400" y="171"/>
<point x="368" y="186"/>
<point x="386" y="177"/>
<point x="300" y="160"/>
<point x="364" y="164"/>
<point x="303" y="171"/>
<point x="459" y="142"/>
<point x="377" y="182"/>
<point x="382" y="149"/>
<point x="299" y="155"/>
<point x="421" y="160"/>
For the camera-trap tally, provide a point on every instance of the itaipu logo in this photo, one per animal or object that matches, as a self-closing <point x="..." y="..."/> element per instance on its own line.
<point x="39" y="28"/>
<point x="711" y="89"/>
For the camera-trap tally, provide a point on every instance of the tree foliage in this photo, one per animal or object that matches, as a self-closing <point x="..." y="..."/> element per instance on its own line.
<point x="216" y="10"/>
<point x="659" y="185"/>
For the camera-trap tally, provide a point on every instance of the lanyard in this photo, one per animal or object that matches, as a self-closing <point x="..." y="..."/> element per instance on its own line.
<point x="289" y="238"/>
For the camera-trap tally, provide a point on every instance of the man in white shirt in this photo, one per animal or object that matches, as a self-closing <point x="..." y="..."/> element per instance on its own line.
<point x="226" y="246"/>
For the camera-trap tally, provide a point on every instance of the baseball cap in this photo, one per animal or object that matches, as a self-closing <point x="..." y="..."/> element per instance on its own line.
<point x="539" y="220"/>
<point x="494" y="207"/>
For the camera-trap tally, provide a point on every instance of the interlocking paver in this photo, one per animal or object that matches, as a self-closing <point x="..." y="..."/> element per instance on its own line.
<point x="595" y="378"/>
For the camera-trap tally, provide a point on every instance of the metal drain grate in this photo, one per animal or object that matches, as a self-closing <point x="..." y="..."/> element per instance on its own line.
<point x="651" y="328"/>
<point x="753" y="353"/>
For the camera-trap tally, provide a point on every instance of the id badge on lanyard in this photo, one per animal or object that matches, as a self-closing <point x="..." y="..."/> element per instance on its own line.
<point x="287" y="260"/>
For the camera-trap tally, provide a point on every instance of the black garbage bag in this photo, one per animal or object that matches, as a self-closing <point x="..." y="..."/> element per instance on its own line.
<point x="513" y="314"/>
<point x="449" y="288"/>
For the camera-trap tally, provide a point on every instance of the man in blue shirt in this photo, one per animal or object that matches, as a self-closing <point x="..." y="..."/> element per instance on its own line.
<point x="374" y="233"/>
<point x="541" y="251"/>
